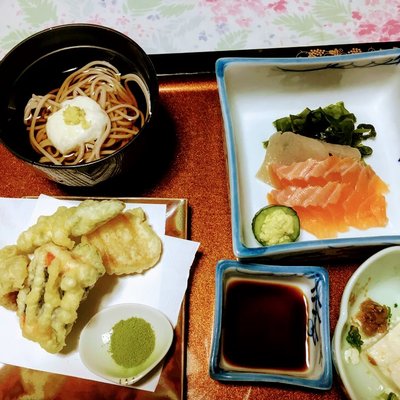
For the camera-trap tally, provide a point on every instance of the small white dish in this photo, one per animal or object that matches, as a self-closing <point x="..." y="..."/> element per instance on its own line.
<point x="256" y="91"/>
<point x="378" y="278"/>
<point x="95" y="339"/>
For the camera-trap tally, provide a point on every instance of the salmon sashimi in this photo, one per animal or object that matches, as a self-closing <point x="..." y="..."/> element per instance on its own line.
<point x="314" y="172"/>
<point x="366" y="205"/>
<point x="330" y="195"/>
<point x="285" y="148"/>
<point x="323" y="222"/>
<point x="294" y="196"/>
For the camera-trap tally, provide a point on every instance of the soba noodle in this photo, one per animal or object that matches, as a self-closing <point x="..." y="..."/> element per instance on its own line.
<point x="102" y="82"/>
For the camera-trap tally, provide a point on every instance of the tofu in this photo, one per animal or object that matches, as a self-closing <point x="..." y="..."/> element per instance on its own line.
<point x="385" y="356"/>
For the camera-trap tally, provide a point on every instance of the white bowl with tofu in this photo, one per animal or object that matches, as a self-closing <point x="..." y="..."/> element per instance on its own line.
<point x="366" y="341"/>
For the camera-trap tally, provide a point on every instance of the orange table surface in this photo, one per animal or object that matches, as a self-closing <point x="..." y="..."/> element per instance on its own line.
<point x="188" y="161"/>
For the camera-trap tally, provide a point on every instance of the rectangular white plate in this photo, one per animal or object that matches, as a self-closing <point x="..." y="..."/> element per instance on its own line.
<point x="255" y="92"/>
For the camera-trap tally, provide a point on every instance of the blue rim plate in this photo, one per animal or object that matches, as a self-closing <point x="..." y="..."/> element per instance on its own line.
<point x="256" y="91"/>
<point x="313" y="281"/>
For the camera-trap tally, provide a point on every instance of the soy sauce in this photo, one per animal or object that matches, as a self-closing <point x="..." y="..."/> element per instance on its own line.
<point x="264" y="326"/>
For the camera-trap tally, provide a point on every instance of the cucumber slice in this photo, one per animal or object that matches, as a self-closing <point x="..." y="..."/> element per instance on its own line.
<point x="276" y="224"/>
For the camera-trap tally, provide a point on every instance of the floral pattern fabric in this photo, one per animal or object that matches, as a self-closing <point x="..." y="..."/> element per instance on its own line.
<point x="174" y="26"/>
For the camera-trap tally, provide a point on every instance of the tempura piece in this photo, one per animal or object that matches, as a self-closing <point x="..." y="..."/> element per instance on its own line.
<point x="127" y="243"/>
<point x="13" y="272"/>
<point x="58" y="280"/>
<point x="67" y="223"/>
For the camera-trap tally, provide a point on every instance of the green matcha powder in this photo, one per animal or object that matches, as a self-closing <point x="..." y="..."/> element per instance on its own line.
<point x="132" y="342"/>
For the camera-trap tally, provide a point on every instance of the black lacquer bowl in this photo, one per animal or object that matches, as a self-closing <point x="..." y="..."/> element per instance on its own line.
<point x="40" y="64"/>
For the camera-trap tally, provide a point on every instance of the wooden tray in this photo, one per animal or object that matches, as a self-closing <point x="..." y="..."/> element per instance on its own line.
<point x="187" y="161"/>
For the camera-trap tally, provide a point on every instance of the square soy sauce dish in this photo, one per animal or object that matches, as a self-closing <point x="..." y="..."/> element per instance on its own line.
<point x="255" y="93"/>
<point x="271" y="324"/>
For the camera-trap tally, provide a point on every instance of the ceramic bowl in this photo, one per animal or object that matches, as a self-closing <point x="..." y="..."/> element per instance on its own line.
<point x="271" y="324"/>
<point x="94" y="342"/>
<point x="378" y="278"/>
<point x="40" y="64"/>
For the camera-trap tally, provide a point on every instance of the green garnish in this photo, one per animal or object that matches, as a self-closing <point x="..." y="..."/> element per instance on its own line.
<point x="275" y="224"/>
<point x="332" y="124"/>
<point x="74" y="115"/>
<point x="392" y="396"/>
<point x="354" y="338"/>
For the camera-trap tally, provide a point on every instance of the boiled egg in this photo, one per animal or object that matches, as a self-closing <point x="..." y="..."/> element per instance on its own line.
<point x="80" y="120"/>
